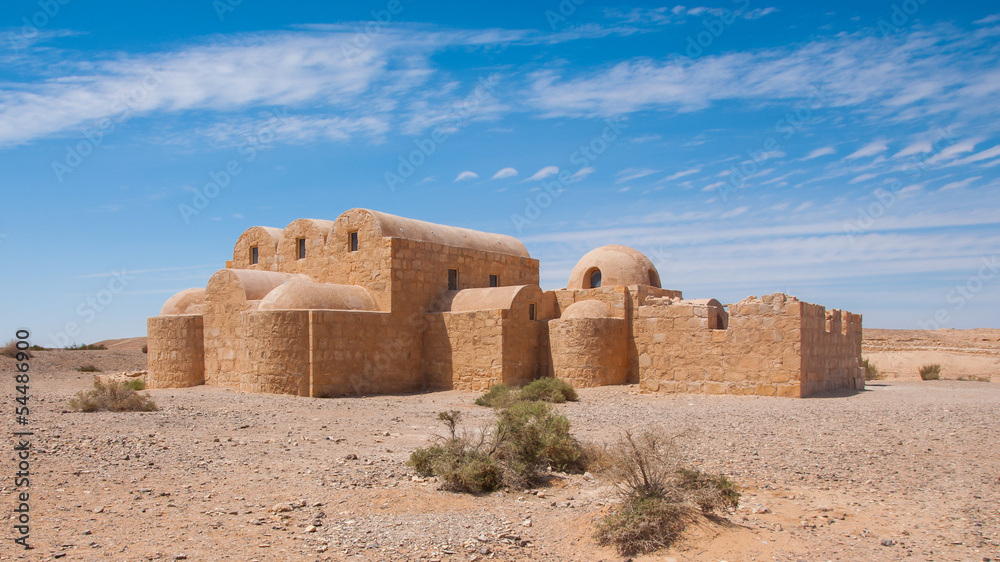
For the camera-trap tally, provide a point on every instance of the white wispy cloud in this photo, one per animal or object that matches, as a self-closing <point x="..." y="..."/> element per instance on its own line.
<point x="915" y="148"/>
<point x="630" y="174"/>
<point x="959" y="184"/>
<point x="816" y="153"/>
<point x="582" y="173"/>
<point x="504" y="173"/>
<point x="544" y="173"/>
<point x="466" y="175"/>
<point x="862" y="177"/>
<point x="870" y="149"/>
<point x="682" y="173"/>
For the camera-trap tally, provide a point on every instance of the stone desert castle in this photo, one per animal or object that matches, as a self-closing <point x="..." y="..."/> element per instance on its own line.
<point x="374" y="303"/>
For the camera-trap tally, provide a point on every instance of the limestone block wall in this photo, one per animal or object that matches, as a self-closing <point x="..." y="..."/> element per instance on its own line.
<point x="315" y="233"/>
<point x="363" y="353"/>
<point x="589" y="351"/>
<point x="274" y="352"/>
<point x="759" y="353"/>
<point x="464" y="350"/>
<point x="176" y="352"/>
<point x="523" y="360"/>
<point x="420" y="272"/>
<point x="229" y="293"/>
<point x="265" y="239"/>
<point x="831" y="350"/>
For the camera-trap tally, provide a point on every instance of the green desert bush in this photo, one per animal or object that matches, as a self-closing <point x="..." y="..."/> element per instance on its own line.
<point x="549" y="389"/>
<point x="113" y="396"/>
<point x="498" y="396"/>
<point x="145" y="349"/>
<point x="136" y="384"/>
<point x="87" y="347"/>
<point x="546" y="389"/>
<point x="526" y="439"/>
<point x="871" y="371"/>
<point x="88" y="369"/>
<point x="659" y="497"/>
<point x="930" y="372"/>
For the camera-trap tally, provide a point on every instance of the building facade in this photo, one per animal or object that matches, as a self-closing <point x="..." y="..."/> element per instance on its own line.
<point x="372" y="303"/>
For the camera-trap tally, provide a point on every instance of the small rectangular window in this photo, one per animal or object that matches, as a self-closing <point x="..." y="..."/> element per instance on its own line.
<point x="354" y="242"/>
<point x="531" y="311"/>
<point x="494" y="280"/>
<point x="452" y="279"/>
<point x="302" y="248"/>
<point x="254" y="255"/>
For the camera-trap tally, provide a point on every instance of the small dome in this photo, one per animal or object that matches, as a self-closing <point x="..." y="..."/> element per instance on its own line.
<point x="588" y="309"/>
<point x="303" y="295"/>
<point x="612" y="265"/>
<point x="188" y="301"/>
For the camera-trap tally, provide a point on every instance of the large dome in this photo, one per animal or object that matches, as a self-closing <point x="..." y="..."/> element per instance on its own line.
<point x="612" y="265"/>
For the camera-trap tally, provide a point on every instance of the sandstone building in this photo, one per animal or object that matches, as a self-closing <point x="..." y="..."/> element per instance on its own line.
<point x="375" y="303"/>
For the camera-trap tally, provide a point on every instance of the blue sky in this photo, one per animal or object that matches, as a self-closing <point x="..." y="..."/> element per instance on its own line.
<point x="846" y="153"/>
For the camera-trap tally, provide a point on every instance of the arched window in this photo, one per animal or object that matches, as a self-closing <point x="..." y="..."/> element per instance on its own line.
<point x="594" y="278"/>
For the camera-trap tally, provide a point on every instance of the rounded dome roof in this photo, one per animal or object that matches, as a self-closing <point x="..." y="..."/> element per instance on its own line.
<point x="184" y="302"/>
<point x="590" y="308"/>
<point x="618" y="265"/>
<point x="304" y="295"/>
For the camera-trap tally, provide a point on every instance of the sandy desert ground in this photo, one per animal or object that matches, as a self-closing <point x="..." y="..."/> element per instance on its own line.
<point x="905" y="469"/>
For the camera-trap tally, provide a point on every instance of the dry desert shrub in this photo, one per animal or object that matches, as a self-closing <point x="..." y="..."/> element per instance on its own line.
<point x="88" y="369"/>
<point x="11" y="350"/>
<point x="659" y="497"/>
<point x="930" y="372"/>
<point x="871" y="371"/>
<point x="113" y="396"/>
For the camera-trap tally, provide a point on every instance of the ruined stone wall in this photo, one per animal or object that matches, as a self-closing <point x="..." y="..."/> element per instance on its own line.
<point x="831" y="350"/>
<point x="758" y="354"/>
<point x="176" y="352"/>
<point x="464" y="350"/>
<point x="589" y="351"/>
<point x="363" y="353"/>
<point x="274" y="352"/>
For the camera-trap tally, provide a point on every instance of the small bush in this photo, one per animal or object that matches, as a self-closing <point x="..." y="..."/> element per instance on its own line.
<point x="113" y="396"/>
<point x="531" y="436"/>
<point x="975" y="378"/>
<point x="659" y="497"/>
<point x="88" y="369"/>
<point x="711" y="492"/>
<point x="545" y="389"/>
<point x="11" y="350"/>
<point x="527" y="438"/>
<point x="930" y="372"/>
<point x="642" y="526"/>
<point x="38" y="348"/>
<point x="145" y="349"/>
<point x="87" y="347"/>
<point x="549" y="389"/>
<point x="498" y="396"/>
<point x="136" y="384"/>
<point x="871" y="371"/>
